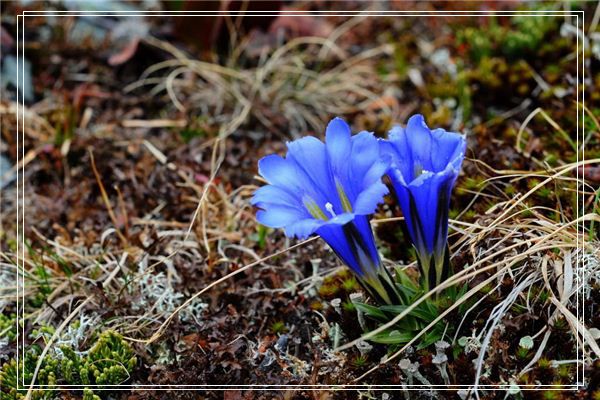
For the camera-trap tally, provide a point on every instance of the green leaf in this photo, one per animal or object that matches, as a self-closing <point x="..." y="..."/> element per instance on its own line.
<point x="392" y="337"/>
<point x="407" y="292"/>
<point x="404" y="280"/>
<point x="371" y="311"/>
<point x="436" y="334"/>
<point x="393" y="309"/>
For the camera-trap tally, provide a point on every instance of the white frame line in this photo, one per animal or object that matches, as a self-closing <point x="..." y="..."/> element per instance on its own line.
<point x="576" y="13"/>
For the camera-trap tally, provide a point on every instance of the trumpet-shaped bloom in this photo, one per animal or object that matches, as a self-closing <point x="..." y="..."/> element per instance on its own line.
<point x="330" y="189"/>
<point x="425" y="165"/>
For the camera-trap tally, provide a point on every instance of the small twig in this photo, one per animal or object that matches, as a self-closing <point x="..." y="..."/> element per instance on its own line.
<point x="123" y="209"/>
<point x="154" y="123"/>
<point x="106" y="200"/>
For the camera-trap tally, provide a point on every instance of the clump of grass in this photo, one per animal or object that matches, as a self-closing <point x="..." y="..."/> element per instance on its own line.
<point x="304" y="82"/>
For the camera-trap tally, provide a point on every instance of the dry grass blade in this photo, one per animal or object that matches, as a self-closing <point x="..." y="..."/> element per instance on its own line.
<point x="577" y="327"/>
<point x="106" y="200"/>
<point x="532" y="246"/>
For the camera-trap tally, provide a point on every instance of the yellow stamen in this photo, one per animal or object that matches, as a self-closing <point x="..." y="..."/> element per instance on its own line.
<point x="346" y="206"/>
<point x="418" y="169"/>
<point x="314" y="209"/>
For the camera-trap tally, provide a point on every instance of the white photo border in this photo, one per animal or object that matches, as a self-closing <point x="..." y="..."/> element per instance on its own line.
<point x="20" y="183"/>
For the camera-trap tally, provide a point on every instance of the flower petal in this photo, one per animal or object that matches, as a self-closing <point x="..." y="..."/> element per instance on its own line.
<point x="376" y="171"/>
<point x="337" y="141"/>
<point x="398" y="149"/>
<point x="276" y="216"/>
<point x="310" y="156"/>
<point x="335" y="237"/>
<point x="419" y="140"/>
<point x="365" y="151"/>
<point x="278" y="171"/>
<point x="274" y="195"/>
<point x="446" y="148"/>
<point x="303" y="228"/>
<point x="431" y="193"/>
<point x="367" y="201"/>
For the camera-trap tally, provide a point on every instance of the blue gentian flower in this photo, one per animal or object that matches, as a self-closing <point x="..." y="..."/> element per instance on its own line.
<point x="329" y="189"/>
<point x="425" y="165"/>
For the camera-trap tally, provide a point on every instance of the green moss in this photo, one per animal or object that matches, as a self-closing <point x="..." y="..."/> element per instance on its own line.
<point x="108" y="362"/>
<point x="278" y="327"/>
<point x="523" y="353"/>
<point x="515" y="40"/>
<point x="469" y="215"/>
<point x="453" y="213"/>
<point x="8" y="377"/>
<point x="544" y="364"/>
<point x="518" y="309"/>
<point x="486" y="289"/>
<point x="348" y="306"/>
<point x="401" y="59"/>
<point x="510" y="190"/>
<point x="188" y="134"/>
<point x="561" y="324"/>
<point x="564" y="371"/>
<point x="111" y="359"/>
<point x="544" y="192"/>
<point x="328" y="290"/>
<point x="473" y="183"/>
<point x="359" y="361"/>
<point x="89" y="395"/>
<point x="8" y="327"/>
<point x="551" y="394"/>
<point x="526" y="213"/>
<point x="350" y="284"/>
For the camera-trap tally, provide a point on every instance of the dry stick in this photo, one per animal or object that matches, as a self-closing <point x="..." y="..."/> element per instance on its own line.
<point x="123" y="209"/>
<point x="497" y="313"/>
<point x="182" y="59"/>
<point x="106" y="200"/>
<point x="516" y="172"/>
<point x="544" y="342"/>
<point x="457" y="277"/>
<point x="162" y="327"/>
<point x="171" y="92"/>
<point x="595" y="19"/>
<point x="549" y="120"/>
<point x="573" y="321"/>
<point x="335" y="35"/>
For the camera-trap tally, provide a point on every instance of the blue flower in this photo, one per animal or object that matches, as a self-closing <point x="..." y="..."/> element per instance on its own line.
<point x="425" y="165"/>
<point x="330" y="189"/>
